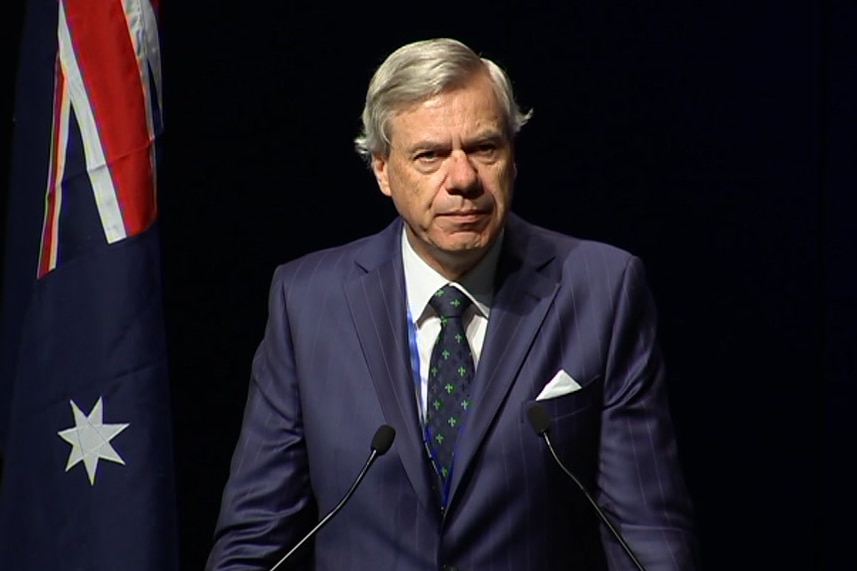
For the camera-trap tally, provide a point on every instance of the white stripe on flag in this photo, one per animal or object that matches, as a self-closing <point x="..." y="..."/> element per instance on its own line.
<point x="137" y="22"/>
<point x="143" y="29"/>
<point x="96" y="167"/>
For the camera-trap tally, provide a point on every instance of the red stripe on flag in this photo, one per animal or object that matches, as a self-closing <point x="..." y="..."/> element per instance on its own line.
<point x="108" y="65"/>
<point x="49" y="237"/>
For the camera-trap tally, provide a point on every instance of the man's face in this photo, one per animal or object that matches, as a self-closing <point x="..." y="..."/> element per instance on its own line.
<point x="450" y="173"/>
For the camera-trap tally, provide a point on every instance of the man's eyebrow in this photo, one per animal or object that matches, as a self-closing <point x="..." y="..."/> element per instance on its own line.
<point x="489" y="135"/>
<point x="427" y="145"/>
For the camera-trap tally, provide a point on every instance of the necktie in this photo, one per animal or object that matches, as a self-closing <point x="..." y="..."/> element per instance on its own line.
<point x="450" y="374"/>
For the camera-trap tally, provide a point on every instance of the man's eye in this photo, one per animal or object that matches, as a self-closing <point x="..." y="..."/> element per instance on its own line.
<point x="486" y="150"/>
<point x="425" y="156"/>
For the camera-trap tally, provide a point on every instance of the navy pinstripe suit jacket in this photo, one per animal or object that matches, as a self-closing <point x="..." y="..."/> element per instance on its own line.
<point x="334" y="365"/>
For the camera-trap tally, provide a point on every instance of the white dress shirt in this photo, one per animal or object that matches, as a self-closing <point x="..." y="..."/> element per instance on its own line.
<point x="422" y="281"/>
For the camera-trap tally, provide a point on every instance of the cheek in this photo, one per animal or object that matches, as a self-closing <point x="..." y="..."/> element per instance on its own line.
<point x="415" y="195"/>
<point x="426" y="190"/>
<point x="499" y="182"/>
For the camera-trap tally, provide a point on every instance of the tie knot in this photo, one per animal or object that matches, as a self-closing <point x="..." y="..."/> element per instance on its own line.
<point x="449" y="301"/>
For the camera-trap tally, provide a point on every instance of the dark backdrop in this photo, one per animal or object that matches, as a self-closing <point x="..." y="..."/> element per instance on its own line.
<point x="713" y="141"/>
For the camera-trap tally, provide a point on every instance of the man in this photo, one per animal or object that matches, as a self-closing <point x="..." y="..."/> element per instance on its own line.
<point x="367" y="334"/>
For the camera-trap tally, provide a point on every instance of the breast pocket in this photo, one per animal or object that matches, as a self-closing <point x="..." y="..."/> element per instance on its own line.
<point x="575" y="427"/>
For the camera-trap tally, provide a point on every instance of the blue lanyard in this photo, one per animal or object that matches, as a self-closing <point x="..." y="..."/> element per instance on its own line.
<point x="415" y="368"/>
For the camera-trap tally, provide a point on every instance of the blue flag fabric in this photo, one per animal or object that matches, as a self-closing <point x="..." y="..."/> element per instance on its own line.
<point x="85" y="428"/>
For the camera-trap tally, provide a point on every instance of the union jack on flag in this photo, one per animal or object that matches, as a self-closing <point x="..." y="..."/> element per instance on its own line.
<point x="106" y="114"/>
<point x="85" y="430"/>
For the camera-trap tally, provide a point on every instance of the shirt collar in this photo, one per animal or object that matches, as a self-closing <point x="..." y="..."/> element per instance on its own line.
<point x="422" y="281"/>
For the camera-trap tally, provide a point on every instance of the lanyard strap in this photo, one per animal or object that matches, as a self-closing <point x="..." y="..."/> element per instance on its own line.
<point x="415" y="369"/>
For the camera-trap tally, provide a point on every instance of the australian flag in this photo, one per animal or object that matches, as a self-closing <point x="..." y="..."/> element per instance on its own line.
<point x="85" y="429"/>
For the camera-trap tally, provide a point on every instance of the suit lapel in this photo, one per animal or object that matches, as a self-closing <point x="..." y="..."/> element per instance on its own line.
<point x="376" y="300"/>
<point x="525" y="289"/>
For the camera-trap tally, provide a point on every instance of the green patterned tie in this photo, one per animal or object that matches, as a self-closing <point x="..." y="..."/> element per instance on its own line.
<point x="450" y="374"/>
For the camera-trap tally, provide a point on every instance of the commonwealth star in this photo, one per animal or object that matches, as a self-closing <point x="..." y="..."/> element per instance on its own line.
<point x="90" y="439"/>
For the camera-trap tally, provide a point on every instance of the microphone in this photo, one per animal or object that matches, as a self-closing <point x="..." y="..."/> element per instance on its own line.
<point x="381" y="442"/>
<point x="541" y="423"/>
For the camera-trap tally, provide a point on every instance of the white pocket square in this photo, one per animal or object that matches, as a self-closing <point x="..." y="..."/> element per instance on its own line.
<point x="560" y="384"/>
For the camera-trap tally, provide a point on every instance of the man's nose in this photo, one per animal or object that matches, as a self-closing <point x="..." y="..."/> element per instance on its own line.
<point x="462" y="176"/>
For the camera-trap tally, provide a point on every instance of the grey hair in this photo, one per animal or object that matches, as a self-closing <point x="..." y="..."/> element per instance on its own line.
<point x="421" y="70"/>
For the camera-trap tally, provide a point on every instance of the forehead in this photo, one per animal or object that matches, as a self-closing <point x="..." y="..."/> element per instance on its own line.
<point x="460" y="111"/>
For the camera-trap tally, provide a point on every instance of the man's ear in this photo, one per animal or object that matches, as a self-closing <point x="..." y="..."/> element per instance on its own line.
<point x="379" y="167"/>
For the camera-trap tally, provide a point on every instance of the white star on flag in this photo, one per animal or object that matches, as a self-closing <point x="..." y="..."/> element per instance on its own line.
<point x="90" y="439"/>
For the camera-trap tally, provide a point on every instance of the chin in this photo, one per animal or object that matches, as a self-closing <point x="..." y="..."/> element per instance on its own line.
<point x="462" y="239"/>
<point x="462" y="246"/>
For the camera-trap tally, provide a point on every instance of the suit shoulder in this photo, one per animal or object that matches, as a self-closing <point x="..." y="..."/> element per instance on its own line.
<point x="574" y="249"/>
<point x="318" y="266"/>
<point x="328" y="267"/>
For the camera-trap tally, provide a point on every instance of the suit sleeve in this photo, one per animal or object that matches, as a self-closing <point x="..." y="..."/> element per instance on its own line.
<point x="267" y="503"/>
<point x="639" y="480"/>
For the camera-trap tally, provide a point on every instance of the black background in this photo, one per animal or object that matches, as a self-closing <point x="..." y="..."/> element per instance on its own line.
<point x="715" y="141"/>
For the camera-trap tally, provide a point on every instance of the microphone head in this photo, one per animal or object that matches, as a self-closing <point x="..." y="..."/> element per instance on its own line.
<point x="383" y="439"/>
<point x="539" y="419"/>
